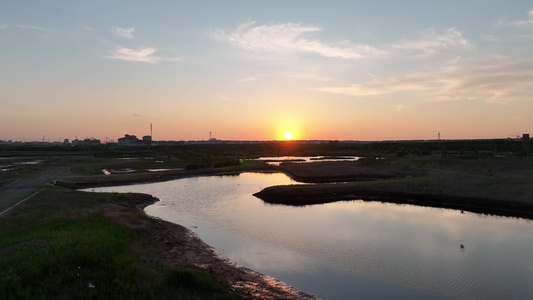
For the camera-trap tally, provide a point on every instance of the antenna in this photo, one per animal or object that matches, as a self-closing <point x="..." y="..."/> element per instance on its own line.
<point x="151" y="136"/>
<point x="209" y="134"/>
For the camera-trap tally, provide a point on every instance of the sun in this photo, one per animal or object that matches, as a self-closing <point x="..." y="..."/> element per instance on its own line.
<point x="288" y="135"/>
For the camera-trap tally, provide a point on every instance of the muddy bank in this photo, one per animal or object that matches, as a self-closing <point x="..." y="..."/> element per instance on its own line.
<point x="82" y="182"/>
<point x="345" y="171"/>
<point x="181" y="246"/>
<point x="299" y="195"/>
<point x="501" y="187"/>
<point x="439" y="184"/>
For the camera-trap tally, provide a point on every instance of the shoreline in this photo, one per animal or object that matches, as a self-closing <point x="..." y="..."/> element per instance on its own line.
<point x="244" y="282"/>
<point x="276" y="195"/>
<point x="324" y="189"/>
<point x="253" y="285"/>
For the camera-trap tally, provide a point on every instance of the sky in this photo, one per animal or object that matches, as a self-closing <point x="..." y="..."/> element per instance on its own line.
<point x="256" y="69"/>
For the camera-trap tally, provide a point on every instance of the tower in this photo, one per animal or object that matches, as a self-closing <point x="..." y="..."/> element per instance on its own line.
<point x="151" y="136"/>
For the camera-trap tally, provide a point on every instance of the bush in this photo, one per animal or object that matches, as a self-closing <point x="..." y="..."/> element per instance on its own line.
<point x="194" y="280"/>
<point x="192" y="167"/>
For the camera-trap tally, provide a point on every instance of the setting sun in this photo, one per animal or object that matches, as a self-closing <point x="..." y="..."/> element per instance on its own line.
<point x="288" y="135"/>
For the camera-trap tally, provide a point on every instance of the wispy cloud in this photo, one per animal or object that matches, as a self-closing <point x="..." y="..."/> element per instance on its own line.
<point x="431" y="43"/>
<point x="141" y="55"/>
<point x="292" y="38"/>
<point x="124" y="32"/>
<point x="32" y="27"/>
<point x="519" y="23"/>
<point x="298" y="38"/>
<point x="248" y="79"/>
<point x="500" y="81"/>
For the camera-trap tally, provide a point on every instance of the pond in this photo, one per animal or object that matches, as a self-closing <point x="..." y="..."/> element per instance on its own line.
<point x="342" y="250"/>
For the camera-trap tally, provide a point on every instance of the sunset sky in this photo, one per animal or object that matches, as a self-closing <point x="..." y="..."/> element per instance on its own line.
<point x="254" y="70"/>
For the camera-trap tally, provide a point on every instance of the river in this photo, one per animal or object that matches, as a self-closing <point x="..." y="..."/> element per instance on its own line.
<point x="347" y="249"/>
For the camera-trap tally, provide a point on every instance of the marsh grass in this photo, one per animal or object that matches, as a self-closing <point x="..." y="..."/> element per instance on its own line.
<point x="95" y="166"/>
<point x="501" y="186"/>
<point x="72" y="245"/>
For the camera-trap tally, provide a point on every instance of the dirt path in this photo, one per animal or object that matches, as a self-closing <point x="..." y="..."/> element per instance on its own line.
<point x="18" y="191"/>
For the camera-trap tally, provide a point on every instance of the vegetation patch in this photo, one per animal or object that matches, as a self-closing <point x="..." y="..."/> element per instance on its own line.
<point x="73" y="245"/>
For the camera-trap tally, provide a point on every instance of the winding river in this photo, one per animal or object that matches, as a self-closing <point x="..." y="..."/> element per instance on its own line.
<point x="342" y="250"/>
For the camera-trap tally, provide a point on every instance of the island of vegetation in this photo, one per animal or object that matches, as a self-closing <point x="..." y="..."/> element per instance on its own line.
<point x="63" y="243"/>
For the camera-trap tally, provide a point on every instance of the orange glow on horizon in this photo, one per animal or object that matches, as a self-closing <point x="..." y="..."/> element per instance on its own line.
<point x="288" y="128"/>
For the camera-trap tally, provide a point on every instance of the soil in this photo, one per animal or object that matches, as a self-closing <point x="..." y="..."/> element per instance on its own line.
<point x="183" y="247"/>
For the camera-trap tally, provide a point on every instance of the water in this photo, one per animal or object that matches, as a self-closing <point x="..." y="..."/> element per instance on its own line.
<point x="276" y="161"/>
<point x="342" y="250"/>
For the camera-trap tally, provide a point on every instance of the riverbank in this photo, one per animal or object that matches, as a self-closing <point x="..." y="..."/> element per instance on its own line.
<point x="502" y="187"/>
<point x="81" y="182"/>
<point x="75" y="244"/>
<point x="486" y="186"/>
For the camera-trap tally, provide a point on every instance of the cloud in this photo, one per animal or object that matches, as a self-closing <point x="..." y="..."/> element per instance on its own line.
<point x="518" y="23"/>
<point x="499" y="81"/>
<point x="248" y="79"/>
<point x="4" y="26"/>
<point x="292" y="38"/>
<point x="124" y="32"/>
<point x="140" y="55"/>
<point x="432" y="44"/>
<point x="297" y="38"/>
<point x="31" y="27"/>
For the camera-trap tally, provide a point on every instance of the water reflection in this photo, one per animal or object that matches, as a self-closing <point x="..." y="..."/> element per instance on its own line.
<point x="338" y="250"/>
<point x="277" y="160"/>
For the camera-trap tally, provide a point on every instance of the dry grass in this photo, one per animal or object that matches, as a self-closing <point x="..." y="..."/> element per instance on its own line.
<point x="488" y="184"/>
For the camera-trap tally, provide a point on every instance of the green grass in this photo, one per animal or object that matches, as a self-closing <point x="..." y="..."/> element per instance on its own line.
<point x="72" y="245"/>
<point x="95" y="166"/>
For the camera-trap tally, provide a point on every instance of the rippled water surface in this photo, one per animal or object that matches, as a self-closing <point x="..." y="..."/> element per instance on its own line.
<point x="342" y="250"/>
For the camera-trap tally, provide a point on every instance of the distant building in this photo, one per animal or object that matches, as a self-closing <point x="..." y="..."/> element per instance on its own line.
<point x="129" y="140"/>
<point x="147" y="139"/>
<point x="85" y="142"/>
<point x="525" y="142"/>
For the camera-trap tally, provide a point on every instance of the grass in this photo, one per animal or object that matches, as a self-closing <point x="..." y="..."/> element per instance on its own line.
<point x="73" y="245"/>
<point x="95" y="165"/>
<point x="486" y="185"/>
